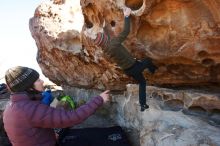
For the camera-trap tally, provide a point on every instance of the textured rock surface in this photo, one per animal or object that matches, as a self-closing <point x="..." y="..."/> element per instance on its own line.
<point x="61" y="55"/>
<point x="170" y="121"/>
<point x="182" y="37"/>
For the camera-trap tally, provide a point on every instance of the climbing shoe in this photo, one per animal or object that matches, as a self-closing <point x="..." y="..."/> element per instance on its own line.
<point x="143" y="107"/>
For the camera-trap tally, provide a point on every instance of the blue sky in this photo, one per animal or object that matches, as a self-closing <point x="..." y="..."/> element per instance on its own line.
<point x="17" y="45"/>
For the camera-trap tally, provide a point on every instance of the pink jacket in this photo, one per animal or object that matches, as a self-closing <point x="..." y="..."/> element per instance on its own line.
<point x="30" y="123"/>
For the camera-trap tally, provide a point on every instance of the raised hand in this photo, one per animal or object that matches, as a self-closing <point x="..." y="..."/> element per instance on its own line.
<point x="127" y="11"/>
<point x="105" y="96"/>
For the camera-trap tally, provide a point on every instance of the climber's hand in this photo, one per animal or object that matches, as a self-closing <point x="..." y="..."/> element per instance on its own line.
<point x="127" y="11"/>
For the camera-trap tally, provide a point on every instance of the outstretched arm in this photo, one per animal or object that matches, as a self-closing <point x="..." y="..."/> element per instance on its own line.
<point x="122" y="36"/>
<point x="44" y="116"/>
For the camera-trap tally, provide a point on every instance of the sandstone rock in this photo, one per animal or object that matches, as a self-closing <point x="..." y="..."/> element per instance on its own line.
<point x="182" y="37"/>
<point x="159" y="125"/>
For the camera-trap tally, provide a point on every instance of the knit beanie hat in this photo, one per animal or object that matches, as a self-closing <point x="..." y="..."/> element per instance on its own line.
<point x="20" y="78"/>
<point x="101" y="39"/>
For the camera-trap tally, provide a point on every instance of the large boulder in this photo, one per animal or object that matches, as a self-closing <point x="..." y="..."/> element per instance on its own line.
<point x="181" y="36"/>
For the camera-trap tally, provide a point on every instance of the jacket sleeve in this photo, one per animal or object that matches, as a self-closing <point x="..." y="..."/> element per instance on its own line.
<point x="44" y="116"/>
<point x="122" y="36"/>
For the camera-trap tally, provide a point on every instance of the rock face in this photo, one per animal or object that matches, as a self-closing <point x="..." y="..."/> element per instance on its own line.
<point x="159" y="126"/>
<point x="175" y="117"/>
<point x="181" y="36"/>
